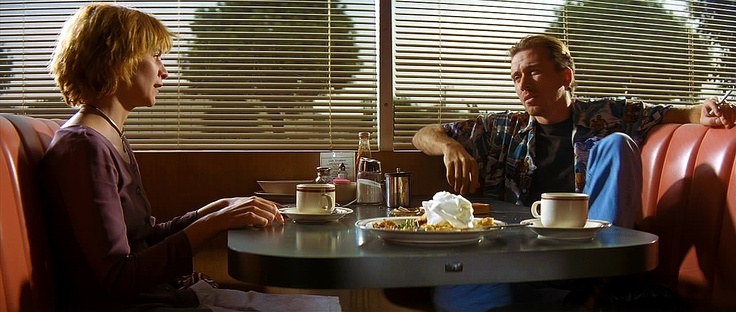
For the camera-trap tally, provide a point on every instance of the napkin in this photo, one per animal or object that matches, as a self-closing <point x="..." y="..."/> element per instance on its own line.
<point x="454" y="209"/>
<point x="219" y="299"/>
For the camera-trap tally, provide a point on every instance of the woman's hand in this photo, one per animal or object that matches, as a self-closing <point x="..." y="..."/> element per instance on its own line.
<point x="246" y="211"/>
<point x="231" y="213"/>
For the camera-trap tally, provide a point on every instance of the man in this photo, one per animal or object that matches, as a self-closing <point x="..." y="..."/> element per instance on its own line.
<point x="516" y="156"/>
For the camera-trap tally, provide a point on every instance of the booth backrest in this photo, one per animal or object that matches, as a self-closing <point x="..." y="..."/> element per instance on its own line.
<point x="689" y="201"/>
<point x="25" y="276"/>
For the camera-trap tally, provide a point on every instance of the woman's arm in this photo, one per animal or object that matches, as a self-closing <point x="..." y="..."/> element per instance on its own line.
<point x="231" y="213"/>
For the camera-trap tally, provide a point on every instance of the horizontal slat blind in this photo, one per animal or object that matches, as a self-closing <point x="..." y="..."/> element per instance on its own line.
<point x="244" y="75"/>
<point x="303" y="76"/>
<point x="452" y="63"/>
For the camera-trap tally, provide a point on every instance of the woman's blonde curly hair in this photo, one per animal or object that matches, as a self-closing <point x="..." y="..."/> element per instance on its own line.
<point x="100" y="47"/>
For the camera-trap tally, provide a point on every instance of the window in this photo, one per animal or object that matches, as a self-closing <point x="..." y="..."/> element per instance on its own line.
<point x="304" y="74"/>
<point x="451" y="59"/>
<point x="244" y="75"/>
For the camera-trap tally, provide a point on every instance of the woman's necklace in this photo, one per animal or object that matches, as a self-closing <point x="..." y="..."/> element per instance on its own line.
<point x="108" y="119"/>
<point x="112" y="123"/>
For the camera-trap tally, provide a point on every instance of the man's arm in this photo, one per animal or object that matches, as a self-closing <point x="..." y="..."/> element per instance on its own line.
<point x="432" y="140"/>
<point x="683" y="115"/>
<point x="462" y="169"/>
<point x="710" y="113"/>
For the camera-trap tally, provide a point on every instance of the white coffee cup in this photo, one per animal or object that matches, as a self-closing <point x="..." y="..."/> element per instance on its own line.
<point x="315" y="198"/>
<point x="562" y="210"/>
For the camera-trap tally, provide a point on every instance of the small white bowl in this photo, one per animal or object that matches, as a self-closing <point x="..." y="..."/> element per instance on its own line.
<point x="283" y="187"/>
<point x="345" y="193"/>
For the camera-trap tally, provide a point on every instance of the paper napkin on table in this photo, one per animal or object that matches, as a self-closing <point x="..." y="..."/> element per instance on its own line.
<point x="445" y="206"/>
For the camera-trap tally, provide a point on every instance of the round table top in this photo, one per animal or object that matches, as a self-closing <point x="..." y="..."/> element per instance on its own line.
<point x="338" y="254"/>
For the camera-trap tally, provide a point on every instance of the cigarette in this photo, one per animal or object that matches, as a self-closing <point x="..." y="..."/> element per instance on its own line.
<point x="723" y="99"/>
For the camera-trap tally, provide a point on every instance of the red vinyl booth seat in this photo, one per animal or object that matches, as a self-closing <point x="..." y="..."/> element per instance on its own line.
<point x="25" y="274"/>
<point x="689" y="201"/>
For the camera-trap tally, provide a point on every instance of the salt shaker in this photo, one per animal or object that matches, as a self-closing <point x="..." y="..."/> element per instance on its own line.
<point x="341" y="171"/>
<point x="323" y="175"/>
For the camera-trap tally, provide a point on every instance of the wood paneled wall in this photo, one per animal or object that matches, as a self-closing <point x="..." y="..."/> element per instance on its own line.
<point x="176" y="182"/>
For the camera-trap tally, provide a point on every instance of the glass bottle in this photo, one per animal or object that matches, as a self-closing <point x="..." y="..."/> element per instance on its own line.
<point x="323" y="175"/>
<point x="364" y="147"/>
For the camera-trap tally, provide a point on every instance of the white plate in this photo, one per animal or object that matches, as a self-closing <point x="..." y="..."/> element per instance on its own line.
<point x="469" y="236"/>
<point x="588" y="232"/>
<point x="297" y="216"/>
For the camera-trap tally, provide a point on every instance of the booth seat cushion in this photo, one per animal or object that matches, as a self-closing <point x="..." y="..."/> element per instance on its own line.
<point x="25" y="276"/>
<point x="689" y="201"/>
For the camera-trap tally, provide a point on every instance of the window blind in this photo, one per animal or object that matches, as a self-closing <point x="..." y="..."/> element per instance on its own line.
<point x="302" y="75"/>
<point x="244" y="75"/>
<point x="452" y="63"/>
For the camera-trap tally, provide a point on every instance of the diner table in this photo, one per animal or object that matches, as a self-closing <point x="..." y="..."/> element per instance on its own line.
<point x="339" y="255"/>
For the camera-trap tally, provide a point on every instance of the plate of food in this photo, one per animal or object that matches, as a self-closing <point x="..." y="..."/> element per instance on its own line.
<point x="415" y="231"/>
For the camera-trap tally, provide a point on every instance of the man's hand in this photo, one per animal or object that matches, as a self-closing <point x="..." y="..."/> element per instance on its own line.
<point x="462" y="170"/>
<point x="713" y="114"/>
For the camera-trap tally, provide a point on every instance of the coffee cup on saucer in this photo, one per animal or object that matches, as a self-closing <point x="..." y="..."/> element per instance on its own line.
<point x="315" y="198"/>
<point x="562" y="210"/>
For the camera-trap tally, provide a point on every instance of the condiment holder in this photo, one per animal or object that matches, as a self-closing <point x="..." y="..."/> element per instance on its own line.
<point x="398" y="189"/>
<point x="369" y="190"/>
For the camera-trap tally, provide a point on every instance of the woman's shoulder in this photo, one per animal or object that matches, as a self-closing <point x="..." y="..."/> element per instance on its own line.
<point x="76" y="134"/>
<point x="78" y="138"/>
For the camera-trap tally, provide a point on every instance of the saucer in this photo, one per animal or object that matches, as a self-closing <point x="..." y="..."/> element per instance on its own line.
<point x="586" y="233"/>
<point x="297" y="216"/>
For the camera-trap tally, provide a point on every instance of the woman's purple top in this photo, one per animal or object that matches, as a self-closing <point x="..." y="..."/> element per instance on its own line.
<point x="109" y="253"/>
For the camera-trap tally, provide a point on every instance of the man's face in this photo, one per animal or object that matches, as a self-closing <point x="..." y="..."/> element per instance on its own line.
<point x="541" y="88"/>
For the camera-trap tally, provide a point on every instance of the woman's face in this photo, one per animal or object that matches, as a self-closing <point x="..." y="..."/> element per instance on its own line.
<point x="146" y="81"/>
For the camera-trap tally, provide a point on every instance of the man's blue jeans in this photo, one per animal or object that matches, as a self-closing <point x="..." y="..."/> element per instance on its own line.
<point x="613" y="184"/>
<point x="613" y="181"/>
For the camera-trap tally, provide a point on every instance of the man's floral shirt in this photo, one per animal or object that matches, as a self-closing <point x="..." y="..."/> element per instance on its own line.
<point x="503" y="143"/>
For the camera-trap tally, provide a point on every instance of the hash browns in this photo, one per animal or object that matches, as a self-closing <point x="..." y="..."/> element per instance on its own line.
<point x="420" y="224"/>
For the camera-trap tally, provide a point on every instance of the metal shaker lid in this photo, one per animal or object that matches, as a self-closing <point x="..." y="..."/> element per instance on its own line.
<point x="369" y="165"/>
<point x="398" y="173"/>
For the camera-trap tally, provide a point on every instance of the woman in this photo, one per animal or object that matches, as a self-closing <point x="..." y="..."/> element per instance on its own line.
<point x="109" y="252"/>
